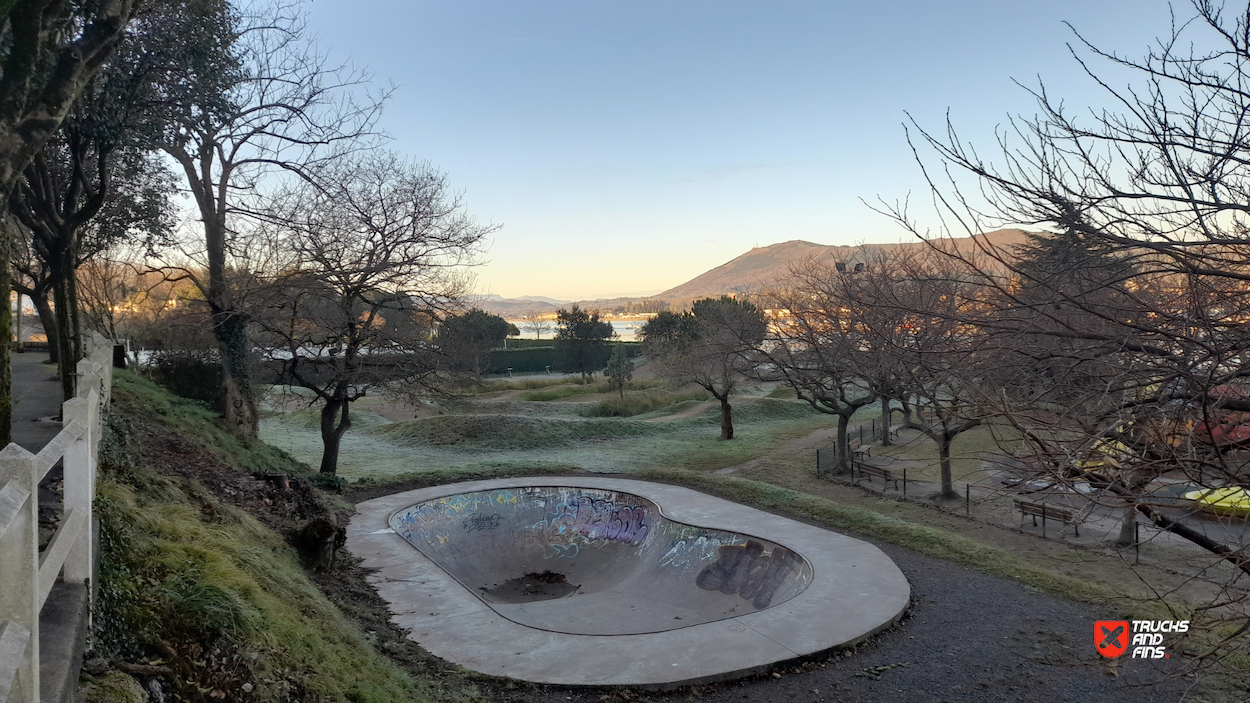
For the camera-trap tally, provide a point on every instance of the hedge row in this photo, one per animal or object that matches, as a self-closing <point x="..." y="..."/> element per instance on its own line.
<point x="535" y="359"/>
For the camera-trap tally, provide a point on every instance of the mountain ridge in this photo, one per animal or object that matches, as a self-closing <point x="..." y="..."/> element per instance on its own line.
<point x="762" y="266"/>
<point x="747" y="273"/>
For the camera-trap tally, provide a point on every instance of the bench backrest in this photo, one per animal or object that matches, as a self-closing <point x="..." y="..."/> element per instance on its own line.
<point x="1054" y="511"/>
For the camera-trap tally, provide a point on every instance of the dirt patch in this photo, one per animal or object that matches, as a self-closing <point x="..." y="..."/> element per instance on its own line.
<point x="348" y="588"/>
<point x="282" y="508"/>
<point x="531" y="587"/>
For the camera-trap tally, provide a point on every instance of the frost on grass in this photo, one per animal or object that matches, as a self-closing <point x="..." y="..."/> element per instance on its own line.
<point x="493" y="434"/>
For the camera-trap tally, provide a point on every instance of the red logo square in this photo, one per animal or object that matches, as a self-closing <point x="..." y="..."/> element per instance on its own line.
<point x="1111" y="637"/>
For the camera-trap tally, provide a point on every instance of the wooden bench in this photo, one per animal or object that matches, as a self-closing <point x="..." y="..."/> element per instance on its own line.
<point x="858" y="450"/>
<point x="1047" y="511"/>
<point x="884" y="474"/>
<point x="894" y="430"/>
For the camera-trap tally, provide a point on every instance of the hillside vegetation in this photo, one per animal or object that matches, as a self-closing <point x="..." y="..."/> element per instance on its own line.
<point x="197" y="571"/>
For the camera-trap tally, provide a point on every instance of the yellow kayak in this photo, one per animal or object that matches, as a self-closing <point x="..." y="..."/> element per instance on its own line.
<point x="1230" y="500"/>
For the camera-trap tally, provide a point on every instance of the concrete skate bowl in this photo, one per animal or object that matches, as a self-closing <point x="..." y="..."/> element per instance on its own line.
<point x="617" y="582"/>
<point x="590" y="561"/>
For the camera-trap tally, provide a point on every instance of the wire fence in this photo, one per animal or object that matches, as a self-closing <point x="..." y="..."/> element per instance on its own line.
<point x="859" y="472"/>
<point x="1151" y="545"/>
<point x="1157" y="547"/>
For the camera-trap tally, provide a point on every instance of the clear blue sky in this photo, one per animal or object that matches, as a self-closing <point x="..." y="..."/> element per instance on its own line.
<point x="627" y="146"/>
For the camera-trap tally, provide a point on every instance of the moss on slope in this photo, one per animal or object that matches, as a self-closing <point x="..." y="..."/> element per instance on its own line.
<point x="191" y="579"/>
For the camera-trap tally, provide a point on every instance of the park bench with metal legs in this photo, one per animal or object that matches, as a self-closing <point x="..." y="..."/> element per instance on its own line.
<point x="859" y="450"/>
<point x="884" y="474"/>
<point x="1046" y="512"/>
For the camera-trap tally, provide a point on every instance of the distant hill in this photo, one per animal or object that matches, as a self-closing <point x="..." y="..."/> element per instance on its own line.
<point x="517" y="308"/>
<point x="544" y="299"/>
<point x="749" y="273"/>
<point x="763" y="266"/>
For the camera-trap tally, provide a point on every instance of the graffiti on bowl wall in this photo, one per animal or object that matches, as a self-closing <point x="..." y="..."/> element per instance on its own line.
<point x="570" y="517"/>
<point x="749" y="572"/>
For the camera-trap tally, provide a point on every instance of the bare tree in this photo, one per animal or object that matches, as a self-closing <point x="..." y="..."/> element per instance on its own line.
<point x="253" y="100"/>
<point x="538" y="326"/>
<point x="946" y="364"/>
<point x="369" y="262"/>
<point x="712" y="346"/>
<point x="1155" y="193"/>
<point x="108" y="287"/>
<point x="33" y="278"/>
<point x="814" y="346"/>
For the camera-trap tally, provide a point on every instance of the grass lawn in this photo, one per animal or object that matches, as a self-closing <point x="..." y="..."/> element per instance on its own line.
<point x="492" y="434"/>
<point x="920" y="454"/>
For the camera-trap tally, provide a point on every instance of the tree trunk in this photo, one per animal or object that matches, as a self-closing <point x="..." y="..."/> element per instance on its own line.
<point x="332" y="433"/>
<point x="230" y="330"/>
<point x="907" y="419"/>
<point x="843" y="445"/>
<point x="47" y="318"/>
<point x="229" y="327"/>
<point x="944" y="459"/>
<point x="726" y="418"/>
<point x="66" y="357"/>
<point x="885" y="421"/>
<point x="71" y="297"/>
<point x="6" y="323"/>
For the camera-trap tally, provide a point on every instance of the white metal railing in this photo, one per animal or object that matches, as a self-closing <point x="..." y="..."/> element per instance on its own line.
<point x="26" y="575"/>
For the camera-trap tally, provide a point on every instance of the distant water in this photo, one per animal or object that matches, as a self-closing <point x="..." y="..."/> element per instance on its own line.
<point x="626" y="330"/>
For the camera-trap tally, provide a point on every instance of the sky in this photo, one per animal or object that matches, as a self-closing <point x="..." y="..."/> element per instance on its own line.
<point x="624" y="147"/>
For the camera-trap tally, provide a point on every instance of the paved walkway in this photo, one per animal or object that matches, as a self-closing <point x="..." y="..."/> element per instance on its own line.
<point x="63" y="620"/>
<point x="36" y="395"/>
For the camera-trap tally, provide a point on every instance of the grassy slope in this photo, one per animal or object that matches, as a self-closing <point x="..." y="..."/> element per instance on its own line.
<point x="193" y="581"/>
<point x="523" y="435"/>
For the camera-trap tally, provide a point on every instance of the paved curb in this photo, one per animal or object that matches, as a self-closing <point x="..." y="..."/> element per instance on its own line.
<point x="856" y="592"/>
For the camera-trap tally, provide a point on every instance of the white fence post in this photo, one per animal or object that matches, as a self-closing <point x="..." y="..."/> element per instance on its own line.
<point x="19" y="580"/>
<point x="80" y="466"/>
<point x="90" y="382"/>
<point x="102" y="354"/>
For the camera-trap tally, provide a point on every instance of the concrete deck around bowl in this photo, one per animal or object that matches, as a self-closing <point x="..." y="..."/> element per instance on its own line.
<point x="856" y="591"/>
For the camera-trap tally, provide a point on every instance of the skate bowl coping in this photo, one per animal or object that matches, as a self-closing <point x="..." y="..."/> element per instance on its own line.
<point x="603" y="581"/>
